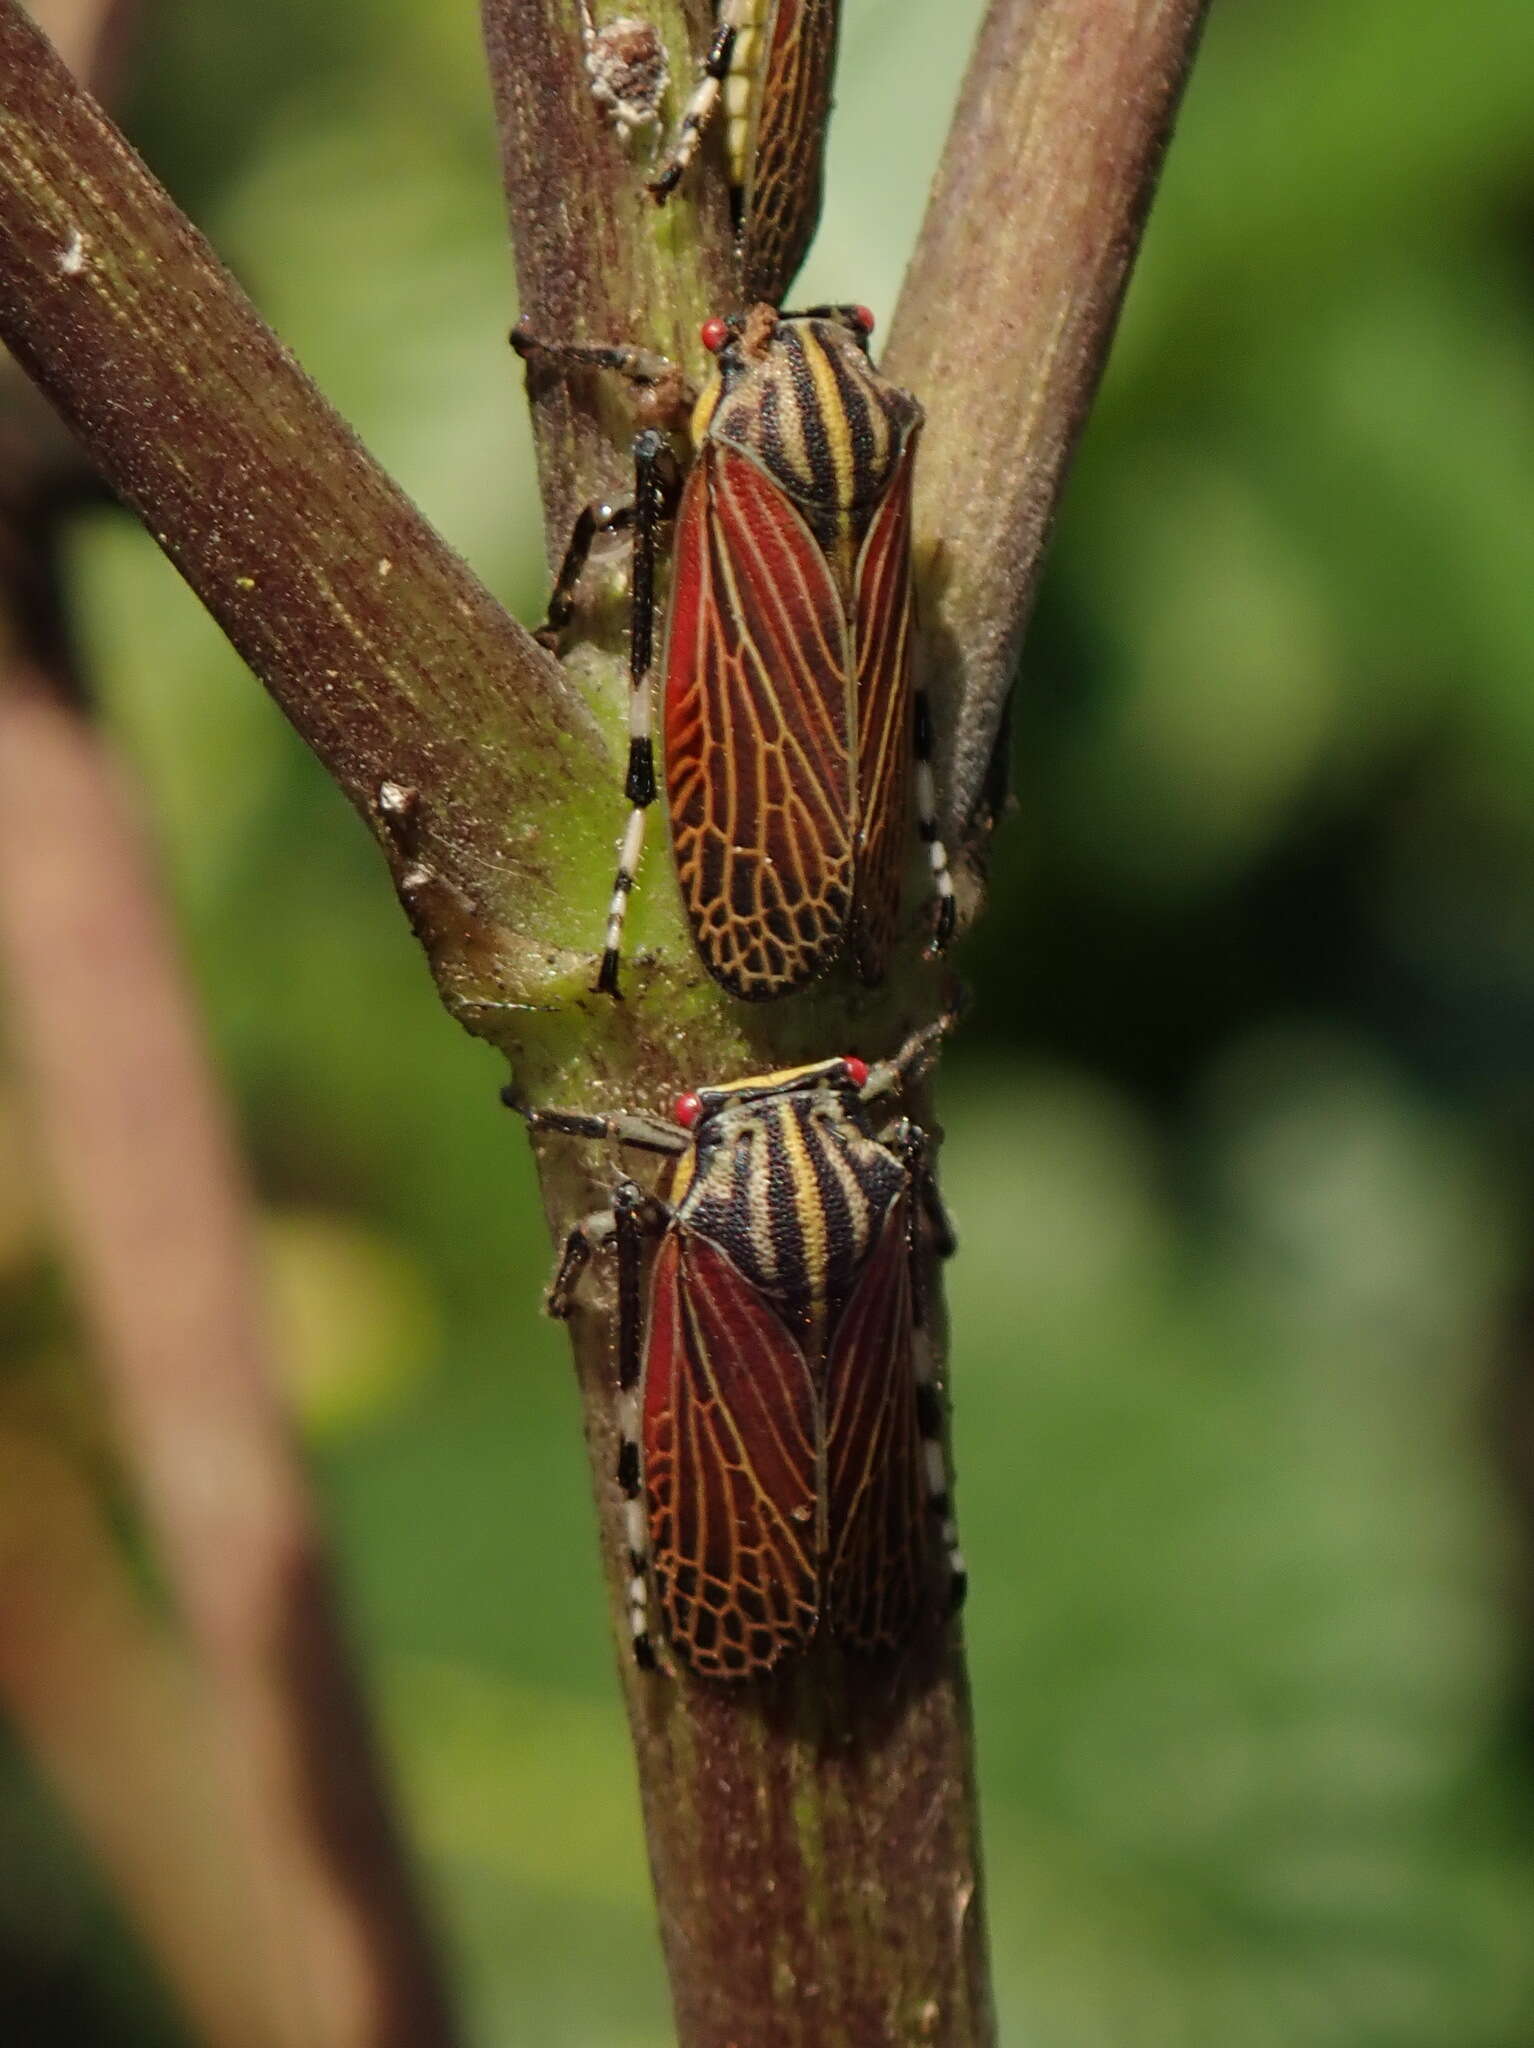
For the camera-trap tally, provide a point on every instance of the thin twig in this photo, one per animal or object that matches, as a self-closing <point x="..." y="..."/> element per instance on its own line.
<point x="1006" y="317"/>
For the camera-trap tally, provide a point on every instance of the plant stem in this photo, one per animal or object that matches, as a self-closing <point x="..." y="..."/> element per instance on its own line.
<point x="1004" y="324"/>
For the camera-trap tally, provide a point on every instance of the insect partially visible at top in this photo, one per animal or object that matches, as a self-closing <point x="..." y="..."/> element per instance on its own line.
<point x="791" y="718"/>
<point x="781" y="1455"/>
<point x="626" y="64"/>
<point x="771" y="64"/>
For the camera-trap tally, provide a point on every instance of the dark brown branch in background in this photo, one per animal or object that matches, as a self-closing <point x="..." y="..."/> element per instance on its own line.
<point x="1008" y="310"/>
<point x="235" y="1793"/>
<point x="113" y="1715"/>
<point x="155" y="1218"/>
<point x="93" y="37"/>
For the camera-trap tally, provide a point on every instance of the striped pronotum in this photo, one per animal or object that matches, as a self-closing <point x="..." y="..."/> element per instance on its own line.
<point x="781" y="1460"/>
<point x="794" y="736"/>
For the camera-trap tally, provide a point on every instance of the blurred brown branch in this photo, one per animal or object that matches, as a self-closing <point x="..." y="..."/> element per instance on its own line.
<point x="234" y="1794"/>
<point x="154" y="1212"/>
<point x="112" y="1713"/>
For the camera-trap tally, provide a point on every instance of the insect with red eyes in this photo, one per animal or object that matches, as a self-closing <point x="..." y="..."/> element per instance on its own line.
<point x="769" y="67"/>
<point x="781" y="1458"/>
<point x="794" y="736"/>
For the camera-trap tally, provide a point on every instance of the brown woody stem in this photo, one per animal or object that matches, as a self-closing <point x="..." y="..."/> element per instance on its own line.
<point x="393" y="662"/>
<point x="1009" y="307"/>
<point x="813" y="1843"/>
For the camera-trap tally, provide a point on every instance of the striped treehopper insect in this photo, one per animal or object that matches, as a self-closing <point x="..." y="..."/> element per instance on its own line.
<point x="791" y="720"/>
<point x="770" y="64"/>
<point x="781" y="1454"/>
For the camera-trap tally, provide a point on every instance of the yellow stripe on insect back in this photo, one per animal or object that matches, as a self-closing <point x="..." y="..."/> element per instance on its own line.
<point x="808" y="1209"/>
<point x="834" y="426"/>
<point x="742" y="87"/>
<point x="703" y="412"/>
<point x="779" y="1081"/>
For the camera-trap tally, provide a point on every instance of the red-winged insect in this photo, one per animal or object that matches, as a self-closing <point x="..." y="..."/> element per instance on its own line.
<point x="771" y="64"/>
<point x="790" y="714"/>
<point x="781" y="1435"/>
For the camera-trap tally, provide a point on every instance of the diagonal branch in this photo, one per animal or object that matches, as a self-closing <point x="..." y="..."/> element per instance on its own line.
<point x="389" y="657"/>
<point x="1006" y="318"/>
<point x="813" y="1843"/>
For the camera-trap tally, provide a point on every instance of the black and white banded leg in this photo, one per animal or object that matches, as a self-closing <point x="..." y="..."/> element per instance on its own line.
<point x="656" y="485"/>
<point x="657" y="488"/>
<point x="625" y="1225"/>
<point x="633" y="1216"/>
<point x="926" y="825"/>
<point x="734" y="17"/>
<point x="927" y="1206"/>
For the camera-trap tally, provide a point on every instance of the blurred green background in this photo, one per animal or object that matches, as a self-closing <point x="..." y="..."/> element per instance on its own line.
<point x="1238" y="1135"/>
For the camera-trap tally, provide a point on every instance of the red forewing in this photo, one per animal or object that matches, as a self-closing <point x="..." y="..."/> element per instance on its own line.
<point x="780" y="200"/>
<point x="758" y="732"/>
<point x="884" y="608"/>
<point x="729" y="1465"/>
<point x="876" y="1575"/>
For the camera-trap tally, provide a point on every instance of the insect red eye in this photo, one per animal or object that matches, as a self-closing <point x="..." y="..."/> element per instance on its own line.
<point x="863" y="318"/>
<point x="856" y="1071"/>
<point x="687" y="1111"/>
<point x="715" y="333"/>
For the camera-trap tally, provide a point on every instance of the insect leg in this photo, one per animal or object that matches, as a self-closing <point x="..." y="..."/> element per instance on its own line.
<point x="926" y="825"/>
<point x="600" y="516"/>
<point x="888" y="1075"/>
<point x="911" y="1145"/>
<point x="634" y="1215"/>
<point x="639" y="365"/>
<point x="657" y="481"/>
<point x="704" y="103"/>
<point x="593" y="1233"/>
<point x="933" y="1208"/>
<point x="631" y="1127"/>
<point x="633" y="1212"/>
